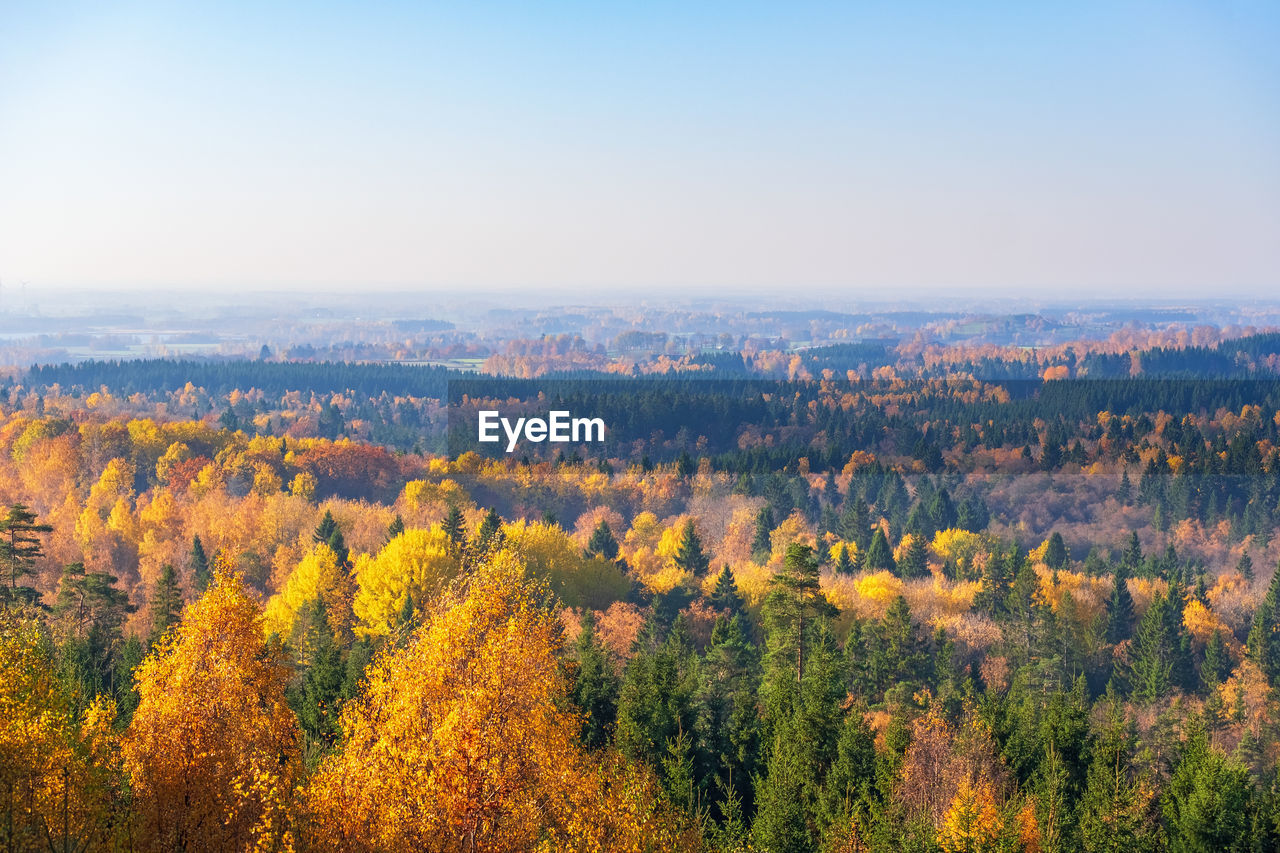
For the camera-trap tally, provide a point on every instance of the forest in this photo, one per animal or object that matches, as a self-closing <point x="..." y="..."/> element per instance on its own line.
<point x="859" y="597"/>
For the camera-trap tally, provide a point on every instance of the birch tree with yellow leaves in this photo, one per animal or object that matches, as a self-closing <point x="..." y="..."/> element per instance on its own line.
<point x="213" y="752"/>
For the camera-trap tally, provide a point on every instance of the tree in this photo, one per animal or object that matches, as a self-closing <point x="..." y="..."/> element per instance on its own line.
<point x="782" y="821"/>
<point x="844" y="565"/>
<point x="461" y="741"/>
<point x="855" y="524"/>
<point x="89" y="616"/>
<point x="1210" y="801"/>
<point x="395" y="528"/>
<point x="455" y="528"/>
<point x="213" y="753"/>
<point x="19" y="549"/>
<point x="328" y="533"/>
<point x="489" y="533"/>
<point x="319" y="700"/>
<point x="1245" y="568"/>
<point x="1113" y="807"/>
<point x="879" y="554"/>
<point x="689" y="554"/>
<point x="915" y="562"/>
<point x="56" y="785"/>
<point x="165" y="608"/>
<point x="792" y="612"/>
<point x="595" y="686"/>
<point x="849" y="789"/>
<point x="1056" y="555"/>
<point x="1157" y="646"/>
<point x="200" y="574"/>
<point x="602" y="542"/>
<point x="761" y="543"/>
<point x="1120" y="606"/>
<point x="724" y="597"/>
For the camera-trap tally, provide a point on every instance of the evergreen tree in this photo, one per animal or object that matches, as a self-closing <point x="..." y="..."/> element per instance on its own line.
<point x="1132" y="558"/>
<point x="166" y="604"/>
<point x="1056" y="555"/>
<point x="894" y="654"/>
<point x="942" y="511"/>
<point x="595" y="686"/>
<point x="19" y="549"/>
<point x="728" y="722"/>
<point x="455" y="527"/>
<point x="761" y="543"/>
<point x="1120" y="606"/>
<point x="655" y="700"/>
<point x="1112" y="818"/>
<point x="319" y="703"/>
<point x="994" y="585"/>
<point x="602" y="542"/>
<point x="1209" y="804"/>
<point x="792" y="612"/>
<point x="844" y="565"/>
<point x="326" y="528"/>
<point x="395" y="528"/>
<point x="879" y="554"/>
<point x="849" y="788"/>
<point x="689" y="554"/>
<point x="1216" y="667"/>
<point x="724" y="597"/>
<point x="200" y="572"/>
<point x="782" y="821"/>
<point x="88" y="621"/>
<point x="1245" y="568"/>
<point x="915" y="562"/>
<point x="855" y="524"/>
<point x="1155" y="652"/>
<point x="1263" y="645"/>
<point x="489" y="534"/>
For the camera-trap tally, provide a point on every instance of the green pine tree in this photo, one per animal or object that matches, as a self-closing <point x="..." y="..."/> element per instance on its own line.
<point x="166" y="604"/>
<point x="595" y="686"/>
<point x="689" y="554"/>
<point x="200" y="571"/>
<point x="761" y="543"/>
<point x="602" y="542"/>
<point x="20" y="548"/>
<point x="455" y="528"/>
<point x="725" y="597"/>
<point x="879" y="554"/>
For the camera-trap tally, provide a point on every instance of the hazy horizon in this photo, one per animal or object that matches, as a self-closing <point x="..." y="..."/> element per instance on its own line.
<point x="886" y="152"/>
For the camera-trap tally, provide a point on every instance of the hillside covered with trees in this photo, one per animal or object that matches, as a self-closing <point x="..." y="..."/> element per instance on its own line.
<point x="862" y="598"/>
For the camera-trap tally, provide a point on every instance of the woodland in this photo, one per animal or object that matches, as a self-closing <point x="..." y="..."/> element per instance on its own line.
<point x="859" y="597"/>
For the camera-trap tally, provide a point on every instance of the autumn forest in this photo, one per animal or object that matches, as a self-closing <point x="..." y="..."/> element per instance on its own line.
<point x="918" y="587"/>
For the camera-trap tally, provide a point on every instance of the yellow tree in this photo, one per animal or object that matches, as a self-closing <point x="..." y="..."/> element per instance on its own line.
<point x="213" y="752"/>
<point x="55" y="790"/>
<point x="461" y="741"/>
<point x="410" y="569"/>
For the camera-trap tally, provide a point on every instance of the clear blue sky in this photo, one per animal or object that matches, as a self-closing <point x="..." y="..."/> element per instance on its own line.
<point x="896" y="147"/>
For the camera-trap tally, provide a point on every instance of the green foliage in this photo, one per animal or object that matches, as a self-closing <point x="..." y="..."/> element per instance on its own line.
<point x="1210" y="803"/>
<point x="595" y="686"/>
<point x="20" y="547"/>
<point x="201" y="574"/>
<point x="689" y="554"/>
<point x="602" y="542"/>
<point x="879" y="554"/>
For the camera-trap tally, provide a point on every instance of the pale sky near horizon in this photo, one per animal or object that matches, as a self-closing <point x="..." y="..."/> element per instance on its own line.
<point x="1105" y="148"/>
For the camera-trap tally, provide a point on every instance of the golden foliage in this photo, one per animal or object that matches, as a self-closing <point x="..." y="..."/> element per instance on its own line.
<point x="54" y="788"/>
<point x="213" y="752"/>
<point x="416" y="564"/>
<point x="461" y="741"/>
